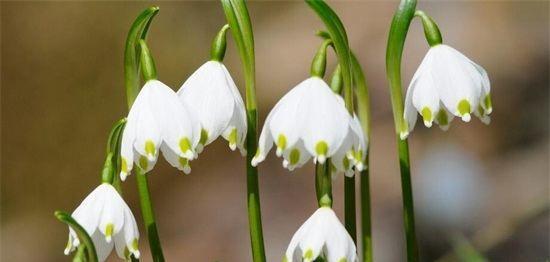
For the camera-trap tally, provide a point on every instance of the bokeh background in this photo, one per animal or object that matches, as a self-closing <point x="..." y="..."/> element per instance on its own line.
<point x="62" y="89"/>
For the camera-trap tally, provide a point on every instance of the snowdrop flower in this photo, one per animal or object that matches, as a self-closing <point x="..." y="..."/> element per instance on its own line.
<point x="158" y="120"/>
<point x="321" y="235"/>
<point x="447" y="84"/>
<point x="212" y="96"/>
<point x="106" y="217"/>
<point x="311" y="121"/>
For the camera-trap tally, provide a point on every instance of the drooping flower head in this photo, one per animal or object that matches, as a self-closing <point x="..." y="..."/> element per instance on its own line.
<point x="322" y="235"/>
<point x="158" y="121"/>
<point x="212" y="96"/>
<point x="311" y="121"/>
<point x="447" y="84"/>
<point x="106" y="217"/>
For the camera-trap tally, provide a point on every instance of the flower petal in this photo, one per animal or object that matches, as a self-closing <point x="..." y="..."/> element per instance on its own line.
<point x="296" y="156"/>
<point x="175" y="160"/>
<point x="176" y="124"/>
<point x="287" y="116"/>
<point x="325" y="122"/>
<point x="102" y="247"/>
<point x="459" y="84"/>
<point x="207" y="91"/>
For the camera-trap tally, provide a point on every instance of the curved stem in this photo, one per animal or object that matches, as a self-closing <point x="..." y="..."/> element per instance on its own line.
<point x="323" y="184"/>
<point x="363" y="112"/>
<point x="238" y="19"/>
<point x="219" y="44"/>
<point x="138" y="31"/>
<point x="132" y="57"/>
<point x="396" y="41"/>
<point x="148" y="215"/>
<point x="431" y="30"/>
<point x="339" y="37"/>
<point x="80" y="232"/>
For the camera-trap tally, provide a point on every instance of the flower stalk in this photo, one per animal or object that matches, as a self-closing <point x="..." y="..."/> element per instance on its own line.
<point x="396" y="40"/>
<point x="81" y="233"/>
<point x="339" y="37"/>
<point x="132" y="57"/>
<point x="363" y="112"/>
<point x="238" y="19"/>
<point x="219" y="45"/>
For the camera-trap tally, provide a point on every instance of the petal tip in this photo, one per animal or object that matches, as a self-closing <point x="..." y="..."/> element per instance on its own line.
<point x="466" y="117"/>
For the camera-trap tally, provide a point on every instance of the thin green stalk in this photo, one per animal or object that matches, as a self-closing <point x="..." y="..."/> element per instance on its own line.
<point x="323" y="184"/>
<point x="339" y="37"/>
<point x="138" y="31"/>
<point x="132" y="61"/>
<point x="83" y="236"/>
<point x="238" y="19"/>
<point x="396" y="40"/>
<point x="148" y="215"/>
<point x="363" y="112"/>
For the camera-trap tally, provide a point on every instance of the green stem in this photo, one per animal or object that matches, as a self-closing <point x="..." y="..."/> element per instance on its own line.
<point x="83" y="236"/>
<point x="339" y="37"/>
<point x="349" y="207"/>
<point x="336" y="82"/>
<point x="396" y="40"/>
<point x="113" y="147"/>
<point x="132" y="57"/>
<point x="148" y="68"/>
<point x="217" y="52"/>
<point x="138" y="31"/>
<point x="363" y="112"/>
<point x="431" y="30"/>
<point x="238" y="19"/>
<point x="323" y="184"/>
<point x="148" y="215"/>
<point x="319" y="63"/>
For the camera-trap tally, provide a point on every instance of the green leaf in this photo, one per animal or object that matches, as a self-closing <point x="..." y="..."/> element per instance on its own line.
<point x="138" y="31"/>
<point x="83" y="236"/>
<point x="339" y="37"/>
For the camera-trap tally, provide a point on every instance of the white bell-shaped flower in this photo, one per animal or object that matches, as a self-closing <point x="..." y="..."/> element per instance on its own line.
<point x="106" y="217"/>
<point x="447" y="84"/>
<point x="212" y="96"/>
<point x="353" y="151"/>
<point x="158" y="121"/>
<point x="321" y="235"/>
<point x="310" y="120"/>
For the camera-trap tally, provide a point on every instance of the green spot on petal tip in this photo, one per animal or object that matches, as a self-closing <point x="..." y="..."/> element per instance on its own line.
<point x="281" y="142"/>
<point x="294" y="156"/>
<point x="143" y="163"/>
<point x="464" y="107"/>
<point x="233" y="137"/>
<point x="488" y="103"/>
<point x="321" y="148"/>
<point x="308" y="254"/>
<point x="442" y="118"/>
<point x="427" y="115"/>
<point x="123" y="165"/>
<point x="109" y="231"/>
<point x="185" y="145"/>
<point x="150" y="148"/>
<point x="204" y="137"/>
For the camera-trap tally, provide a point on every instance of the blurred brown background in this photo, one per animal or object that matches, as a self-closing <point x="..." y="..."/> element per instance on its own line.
<point x="62" y="89"/>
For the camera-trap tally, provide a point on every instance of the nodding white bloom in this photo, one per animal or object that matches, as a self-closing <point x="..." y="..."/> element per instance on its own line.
<point x="321" y="235"/>
<point x="212" y="96"/>
<point x="106" y="217"/>
<point x="447" y="84"/>
<point x="311" y="120"/>
<point x="158" y="120"/>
